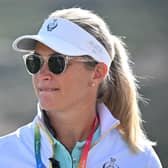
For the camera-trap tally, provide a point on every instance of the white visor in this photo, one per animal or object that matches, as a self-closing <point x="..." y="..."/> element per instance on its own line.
<point x="65" y="37"/>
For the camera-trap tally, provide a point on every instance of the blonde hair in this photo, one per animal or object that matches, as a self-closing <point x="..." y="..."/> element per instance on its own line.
<point x="119" y="89"/>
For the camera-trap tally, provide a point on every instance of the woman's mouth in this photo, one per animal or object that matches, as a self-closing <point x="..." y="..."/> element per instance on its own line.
<point x="41" y="90"/>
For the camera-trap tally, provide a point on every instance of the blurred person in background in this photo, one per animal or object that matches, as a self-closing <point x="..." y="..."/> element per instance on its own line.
<point x="87" y="111"/>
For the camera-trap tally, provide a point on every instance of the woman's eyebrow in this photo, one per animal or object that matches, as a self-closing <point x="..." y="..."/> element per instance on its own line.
<point x="54" y="53"/>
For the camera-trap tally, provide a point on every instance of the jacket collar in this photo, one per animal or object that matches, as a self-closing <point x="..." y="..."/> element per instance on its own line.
<point x="107" y="120"/>
<point x="107" y="123"/>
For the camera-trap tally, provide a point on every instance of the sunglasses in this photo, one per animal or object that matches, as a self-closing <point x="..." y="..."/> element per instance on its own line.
<point x="57" y="63"/>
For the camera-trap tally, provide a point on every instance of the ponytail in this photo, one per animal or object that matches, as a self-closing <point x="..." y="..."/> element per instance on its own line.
<point x="121" y="96"/>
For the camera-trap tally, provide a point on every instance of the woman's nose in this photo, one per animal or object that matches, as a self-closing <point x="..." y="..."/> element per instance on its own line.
<point x="44" y="72"/>
<point x="44" y="67"/>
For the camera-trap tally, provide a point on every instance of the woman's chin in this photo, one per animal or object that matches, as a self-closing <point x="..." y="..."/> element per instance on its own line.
<point x="47" y="104"/>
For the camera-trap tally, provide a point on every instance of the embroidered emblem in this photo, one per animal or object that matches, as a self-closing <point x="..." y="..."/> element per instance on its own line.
<point x="94" y="47"/>
<point x="51" y="26"/>
<point x="111" y="164"/>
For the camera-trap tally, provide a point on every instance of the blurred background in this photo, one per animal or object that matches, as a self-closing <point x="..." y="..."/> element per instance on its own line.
<point x="145" y="28"/>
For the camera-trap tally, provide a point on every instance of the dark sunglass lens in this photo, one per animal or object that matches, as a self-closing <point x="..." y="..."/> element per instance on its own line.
<point x="56" y="64"/>
<point x="33" y="64"/>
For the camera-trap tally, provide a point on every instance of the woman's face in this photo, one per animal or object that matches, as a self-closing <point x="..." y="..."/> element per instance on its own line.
<point x="63" y="91"/>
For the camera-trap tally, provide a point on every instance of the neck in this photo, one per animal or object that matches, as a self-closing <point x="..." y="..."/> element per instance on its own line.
<point x="72" y="126"/>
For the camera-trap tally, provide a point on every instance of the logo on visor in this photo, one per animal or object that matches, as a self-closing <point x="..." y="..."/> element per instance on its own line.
<point x="51" y="26"/>
<point x="94" y="47"/>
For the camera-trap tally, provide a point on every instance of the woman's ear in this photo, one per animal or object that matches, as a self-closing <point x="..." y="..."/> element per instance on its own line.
<point x="99" y="73"/>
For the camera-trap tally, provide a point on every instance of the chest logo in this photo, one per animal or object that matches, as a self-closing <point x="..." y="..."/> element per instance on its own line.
<point x="110" y="164"/>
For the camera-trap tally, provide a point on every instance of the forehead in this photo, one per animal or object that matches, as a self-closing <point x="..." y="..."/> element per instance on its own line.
<point x="43" y="49"/>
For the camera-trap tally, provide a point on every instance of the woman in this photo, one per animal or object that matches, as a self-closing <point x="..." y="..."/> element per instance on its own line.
<point x="88" y="114"/>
